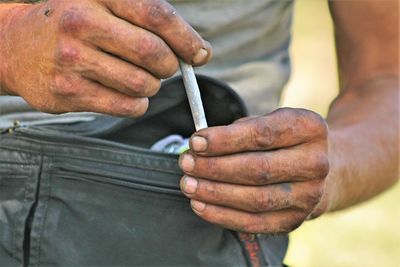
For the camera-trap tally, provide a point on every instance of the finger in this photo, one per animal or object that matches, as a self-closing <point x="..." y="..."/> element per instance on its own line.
<point x="120" y="38"/>
<point x="260" y="168"/>
<point x="282" y="128"/>
<point x="283" y="221"/>
<point x="120" y="75"/>
<point x="255" y="199"/>
<point x="77" y="94"/>
<point x="161" y="18"/>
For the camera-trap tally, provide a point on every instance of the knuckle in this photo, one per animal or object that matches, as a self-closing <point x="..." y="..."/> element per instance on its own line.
<point x="321" y="166"/>
<point x="67" y="55"/>
<point x="213" y="192"/>
<point x="261" y="134"/>
<point x="65" y="86"/>
<point x="146" y="86"/>
<point x="262" y="202"/>
<point x="138" y="85"/>
<point x="149" y="47"/>
<point x="211" y="166"/>
<point x="159" y="13"/>
<point x="316" y="122"/>
<point x="312" y="197"/>
<point x="261" y="171"/>
<point x="319" y="124"/>
<point x="315" y="196"/>
<point x="73" y="21"/>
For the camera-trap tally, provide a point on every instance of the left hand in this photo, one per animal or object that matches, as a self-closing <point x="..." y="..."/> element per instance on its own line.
<point x="260" y="174"/>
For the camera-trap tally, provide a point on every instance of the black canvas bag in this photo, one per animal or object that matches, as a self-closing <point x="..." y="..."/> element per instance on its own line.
<point x="93" y="194"/>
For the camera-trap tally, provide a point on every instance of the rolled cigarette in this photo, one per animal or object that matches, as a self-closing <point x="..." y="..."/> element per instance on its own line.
<point x="194" y="97"/>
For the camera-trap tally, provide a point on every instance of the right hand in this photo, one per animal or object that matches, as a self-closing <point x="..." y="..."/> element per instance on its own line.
<point x="95" y="55"/>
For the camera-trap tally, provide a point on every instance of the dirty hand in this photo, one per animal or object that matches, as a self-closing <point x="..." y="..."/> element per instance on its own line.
<point x="94" y="55"/>
<point x="260" y="174"/>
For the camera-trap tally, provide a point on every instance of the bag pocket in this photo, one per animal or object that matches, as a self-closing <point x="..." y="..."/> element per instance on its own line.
<point x="17" y="198"/>
<point x="119" y="218"/>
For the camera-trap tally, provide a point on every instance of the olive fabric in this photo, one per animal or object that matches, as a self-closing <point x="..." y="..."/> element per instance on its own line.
<point x="92" y="194"/>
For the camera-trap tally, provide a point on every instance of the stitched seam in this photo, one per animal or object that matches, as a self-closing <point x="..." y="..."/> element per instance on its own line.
<point x="30" y="220"/>
<point x="46" y="203"/>
<point x="25" y="201"/>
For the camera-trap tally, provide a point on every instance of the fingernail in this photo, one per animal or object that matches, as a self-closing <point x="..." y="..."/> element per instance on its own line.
<point x="200" y="57"/>
<point x="197" y="205"/>
<point x="187" y="163"/>
<point x="190" y="185"/>
<point x="199" y="144"/>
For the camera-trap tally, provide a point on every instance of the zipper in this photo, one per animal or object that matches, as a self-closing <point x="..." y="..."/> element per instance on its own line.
<point x="56" y="136"/>
<point x="10" y="130"/>
<point x="47" y="121"/>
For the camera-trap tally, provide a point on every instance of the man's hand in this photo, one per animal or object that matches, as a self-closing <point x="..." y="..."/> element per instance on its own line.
<point x="260" y="174"/>
<point x="93" y="55"/>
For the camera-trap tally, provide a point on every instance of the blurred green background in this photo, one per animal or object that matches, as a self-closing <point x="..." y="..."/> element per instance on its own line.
<point x="365" y="235"/>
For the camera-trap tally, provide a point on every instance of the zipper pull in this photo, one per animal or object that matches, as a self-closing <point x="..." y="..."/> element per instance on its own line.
<point x="10" y="130"/>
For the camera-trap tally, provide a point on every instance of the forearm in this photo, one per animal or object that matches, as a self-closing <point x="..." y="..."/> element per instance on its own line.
<point x="364" y="143"/>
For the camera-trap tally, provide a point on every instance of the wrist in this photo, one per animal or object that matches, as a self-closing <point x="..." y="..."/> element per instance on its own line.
<point x="331" y="196"/>
<point x="8" y="13"/>
<point x="332" y="192"/>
